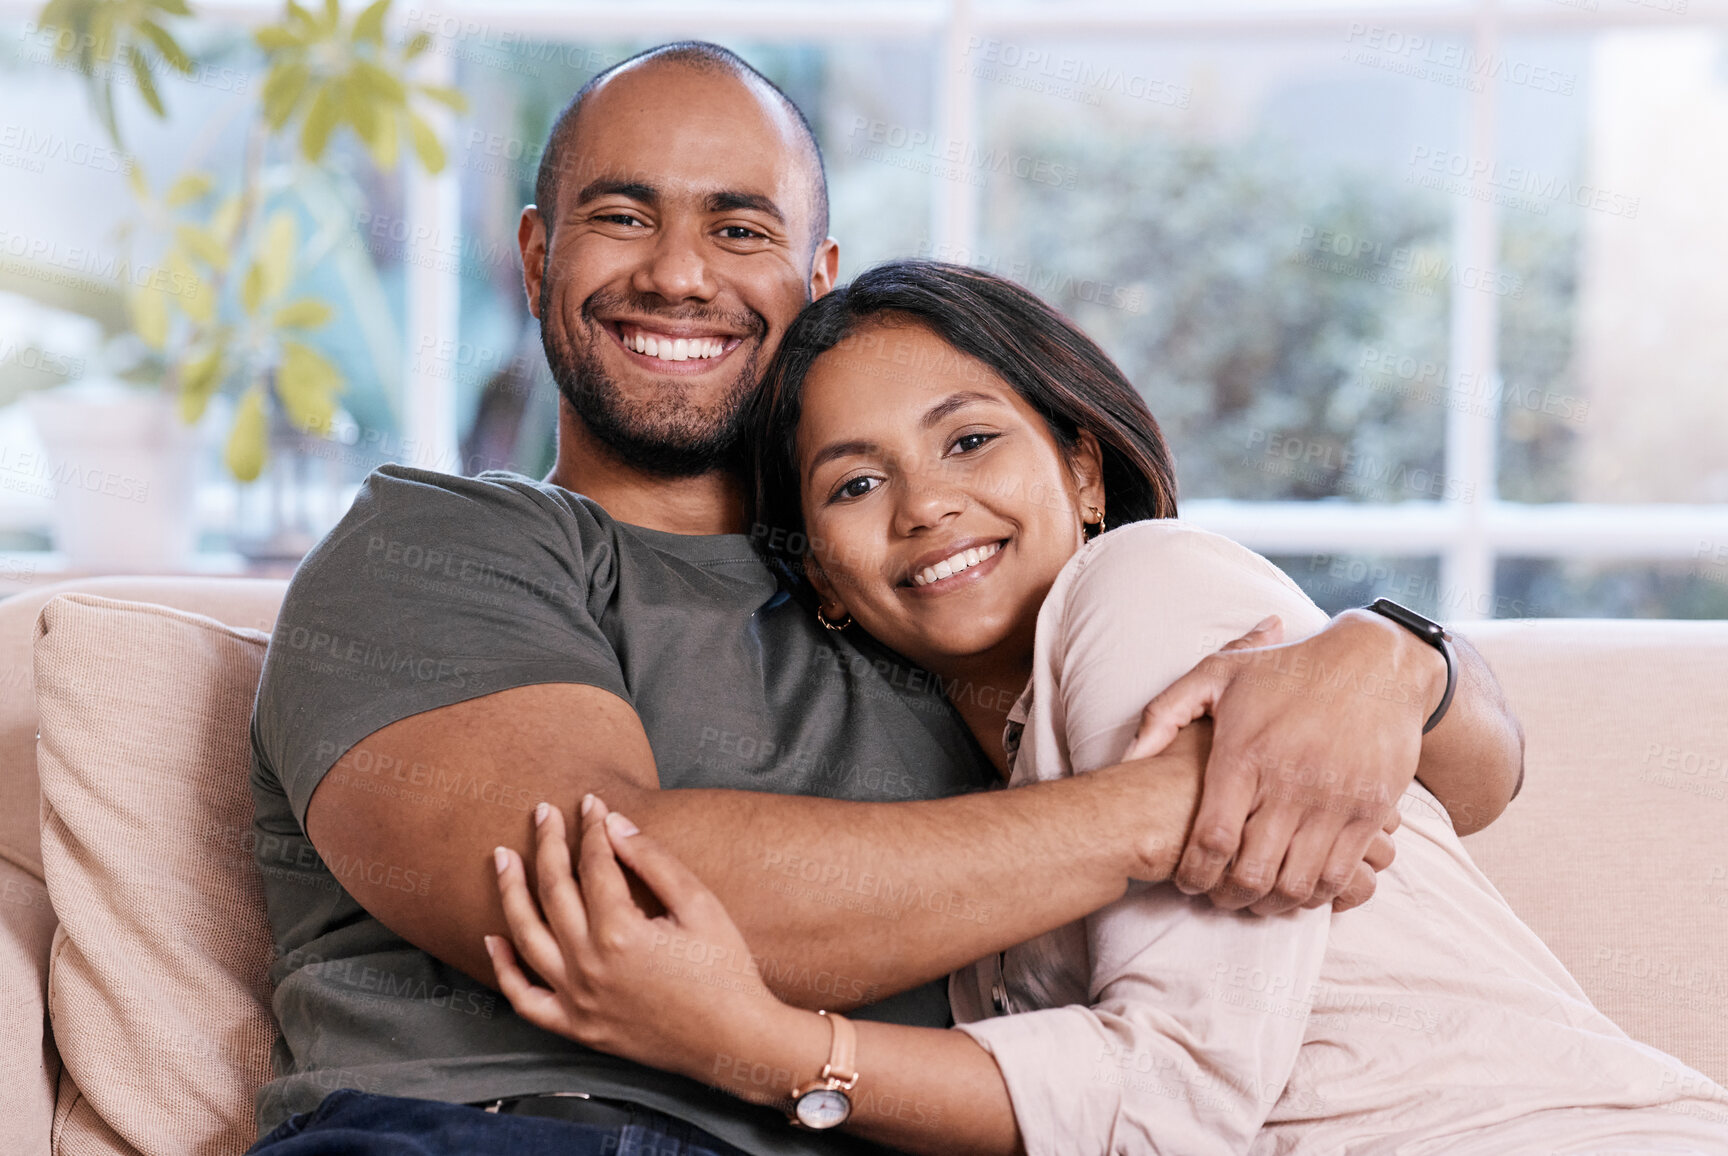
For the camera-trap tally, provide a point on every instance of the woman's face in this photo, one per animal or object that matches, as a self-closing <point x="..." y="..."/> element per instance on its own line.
<point x="938" y="503"/>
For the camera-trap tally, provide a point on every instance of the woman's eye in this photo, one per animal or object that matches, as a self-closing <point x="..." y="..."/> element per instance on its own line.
<point x="966" y="443"/>
<point x="856" y="488"/>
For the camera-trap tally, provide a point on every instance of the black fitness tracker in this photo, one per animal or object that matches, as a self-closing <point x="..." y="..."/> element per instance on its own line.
<point x="1434" y="635"/>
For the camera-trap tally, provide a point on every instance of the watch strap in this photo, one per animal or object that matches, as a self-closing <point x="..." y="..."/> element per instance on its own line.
<point x="1434" y="635"/>
<point x="843" y="1055"/>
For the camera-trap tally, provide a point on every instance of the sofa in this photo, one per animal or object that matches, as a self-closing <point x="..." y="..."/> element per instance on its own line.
<point x="134" y="954"/>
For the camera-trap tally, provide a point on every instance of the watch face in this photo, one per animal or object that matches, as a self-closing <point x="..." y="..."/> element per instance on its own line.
<point x="823" y="1108"/>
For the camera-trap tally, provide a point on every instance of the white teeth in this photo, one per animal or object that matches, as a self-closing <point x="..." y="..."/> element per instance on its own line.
<point x="949" y="567"/>
<point x="676" y="348"/>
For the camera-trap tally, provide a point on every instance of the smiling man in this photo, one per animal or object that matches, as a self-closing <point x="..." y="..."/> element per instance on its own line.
<point x="612" y="630"/>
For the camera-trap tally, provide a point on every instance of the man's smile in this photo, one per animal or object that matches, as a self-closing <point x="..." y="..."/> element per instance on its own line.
<point x="673" y="348"/>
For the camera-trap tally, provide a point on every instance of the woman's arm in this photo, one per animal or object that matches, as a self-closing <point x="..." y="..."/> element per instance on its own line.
<point x="681" y="992"/>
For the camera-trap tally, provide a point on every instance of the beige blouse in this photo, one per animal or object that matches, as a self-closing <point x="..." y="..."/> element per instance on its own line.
<point x="1430" y="1020"/>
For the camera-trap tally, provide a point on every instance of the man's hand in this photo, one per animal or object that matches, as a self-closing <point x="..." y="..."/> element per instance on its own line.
<point x="1313" y="743"/>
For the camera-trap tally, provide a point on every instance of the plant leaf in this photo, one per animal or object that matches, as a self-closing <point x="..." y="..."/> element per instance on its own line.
<point x="276" y="254"/>
<point x="320" y="122"/>
<point x="307" y="384"/>
<point x="369" y="25"/>
<point x="370" y="78"/>
<point x="170" y="49"/>
<point x="445" y="95"/>
<point x="249" y="440"/>
<point x="283" y="89"/>
<point x="198" y="379"/>
<point x="425" y="143"/>
<point x="305" y="313"/>
<point x="225" y="220"/>
<point x="149" y="310"/>
<point x="172" y="7"/>
<point x="139" y="182"/>
<point x="146" y="84"/>
<point x="202" y="245"/>
<point x="277" y="38"/>
<point x="188" y="189"/>
<point x="386" y="147"/>
<point x="197" y="297"/>
<point x="420" y="43"/>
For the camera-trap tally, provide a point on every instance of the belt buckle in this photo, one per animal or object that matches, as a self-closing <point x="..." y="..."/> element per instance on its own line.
<point x="496" y="1105"/>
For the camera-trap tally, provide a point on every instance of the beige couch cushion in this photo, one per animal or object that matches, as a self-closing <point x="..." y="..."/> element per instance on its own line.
<point x="158" y="986"/>
<point x="1616" y="853"/>
<point x="28" y="1065"/>
<point x="248" y="602"/>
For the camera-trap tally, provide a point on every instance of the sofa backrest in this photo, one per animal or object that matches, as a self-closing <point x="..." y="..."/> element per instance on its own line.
<point x="1616" y="852"/>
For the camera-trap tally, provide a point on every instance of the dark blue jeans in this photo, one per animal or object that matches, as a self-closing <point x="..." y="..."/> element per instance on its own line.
<point x="353" y="1123"/>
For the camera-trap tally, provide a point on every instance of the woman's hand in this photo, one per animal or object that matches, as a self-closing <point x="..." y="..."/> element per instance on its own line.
<point x="678" y="991"/>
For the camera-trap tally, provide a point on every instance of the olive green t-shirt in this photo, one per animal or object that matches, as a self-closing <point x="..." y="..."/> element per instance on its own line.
<point x="436" y="589"/>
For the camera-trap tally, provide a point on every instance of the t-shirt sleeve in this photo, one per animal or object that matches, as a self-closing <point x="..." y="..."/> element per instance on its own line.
<point x="431" y="591"/>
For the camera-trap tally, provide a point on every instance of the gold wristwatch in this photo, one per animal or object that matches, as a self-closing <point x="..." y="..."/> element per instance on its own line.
<point x="823" y="1103"/>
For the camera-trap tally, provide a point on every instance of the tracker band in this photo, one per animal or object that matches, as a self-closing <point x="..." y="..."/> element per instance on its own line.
<point x="1434" y="635"/>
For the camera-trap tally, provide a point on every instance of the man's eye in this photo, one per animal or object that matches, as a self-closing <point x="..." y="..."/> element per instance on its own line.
<point x="740" y="233"/>
<point x="620" y="218"/>
<point x="857" y="487"/>
<point x="966" y="443"/>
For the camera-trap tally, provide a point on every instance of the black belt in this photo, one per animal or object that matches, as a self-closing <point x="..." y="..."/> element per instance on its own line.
<point x="599" y="1112"/>
<point x="577" y="1107"/>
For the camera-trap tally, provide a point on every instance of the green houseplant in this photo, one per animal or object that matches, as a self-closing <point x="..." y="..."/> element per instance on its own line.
<point x="231" y="239"/>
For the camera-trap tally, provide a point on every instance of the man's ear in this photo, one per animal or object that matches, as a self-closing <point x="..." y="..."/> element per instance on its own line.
<point x="824" y="267"/>
<point x="531" y="239"/>
<point x="1086" y="461"/>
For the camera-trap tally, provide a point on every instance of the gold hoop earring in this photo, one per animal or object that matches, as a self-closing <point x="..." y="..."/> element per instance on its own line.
<point x="823" y="619"/>
<point x="1096" y="526"/>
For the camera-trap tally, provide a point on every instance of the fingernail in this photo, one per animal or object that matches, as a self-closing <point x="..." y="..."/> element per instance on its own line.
<point x="541" y="810"/>
<point x="620" y="825"/>
<point x="501" y="859"/>
<point x="1265" y="623"/>
<point x="491" y="948"/>
<point x="587" y="803"/>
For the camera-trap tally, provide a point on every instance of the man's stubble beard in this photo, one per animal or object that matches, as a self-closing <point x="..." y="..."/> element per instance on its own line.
<point x="664" y="435"/>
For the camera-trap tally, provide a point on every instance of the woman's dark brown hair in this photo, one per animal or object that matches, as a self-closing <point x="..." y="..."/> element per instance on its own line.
<point x="1041" y="355"/>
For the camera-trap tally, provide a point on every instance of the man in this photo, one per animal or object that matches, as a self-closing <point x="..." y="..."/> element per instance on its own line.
<point x="459" y="649"/>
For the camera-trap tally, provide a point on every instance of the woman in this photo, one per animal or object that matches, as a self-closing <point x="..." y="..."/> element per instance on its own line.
<point x="953" y="450"/>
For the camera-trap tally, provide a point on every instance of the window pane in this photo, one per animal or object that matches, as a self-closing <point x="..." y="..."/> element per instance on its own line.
<point x="1233" y="221"/>
<point x="1339" y="581"/>
<point x="1569" y="588"/>
<point x="1613" y="363"/>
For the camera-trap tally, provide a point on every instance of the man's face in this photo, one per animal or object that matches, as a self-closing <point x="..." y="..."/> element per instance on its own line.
<point x="679" y="253"/>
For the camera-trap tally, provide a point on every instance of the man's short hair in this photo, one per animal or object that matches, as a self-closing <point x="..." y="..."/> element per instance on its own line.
<point x="701" y="56"/>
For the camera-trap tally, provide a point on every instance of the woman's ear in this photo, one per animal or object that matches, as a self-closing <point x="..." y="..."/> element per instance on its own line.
<point x="1086" y="460"/>
<point x="824" y="587"/>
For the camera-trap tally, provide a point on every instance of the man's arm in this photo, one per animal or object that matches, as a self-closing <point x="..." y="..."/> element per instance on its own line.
<point x="843" y="902"/>
<point x="1315" y="742"/>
